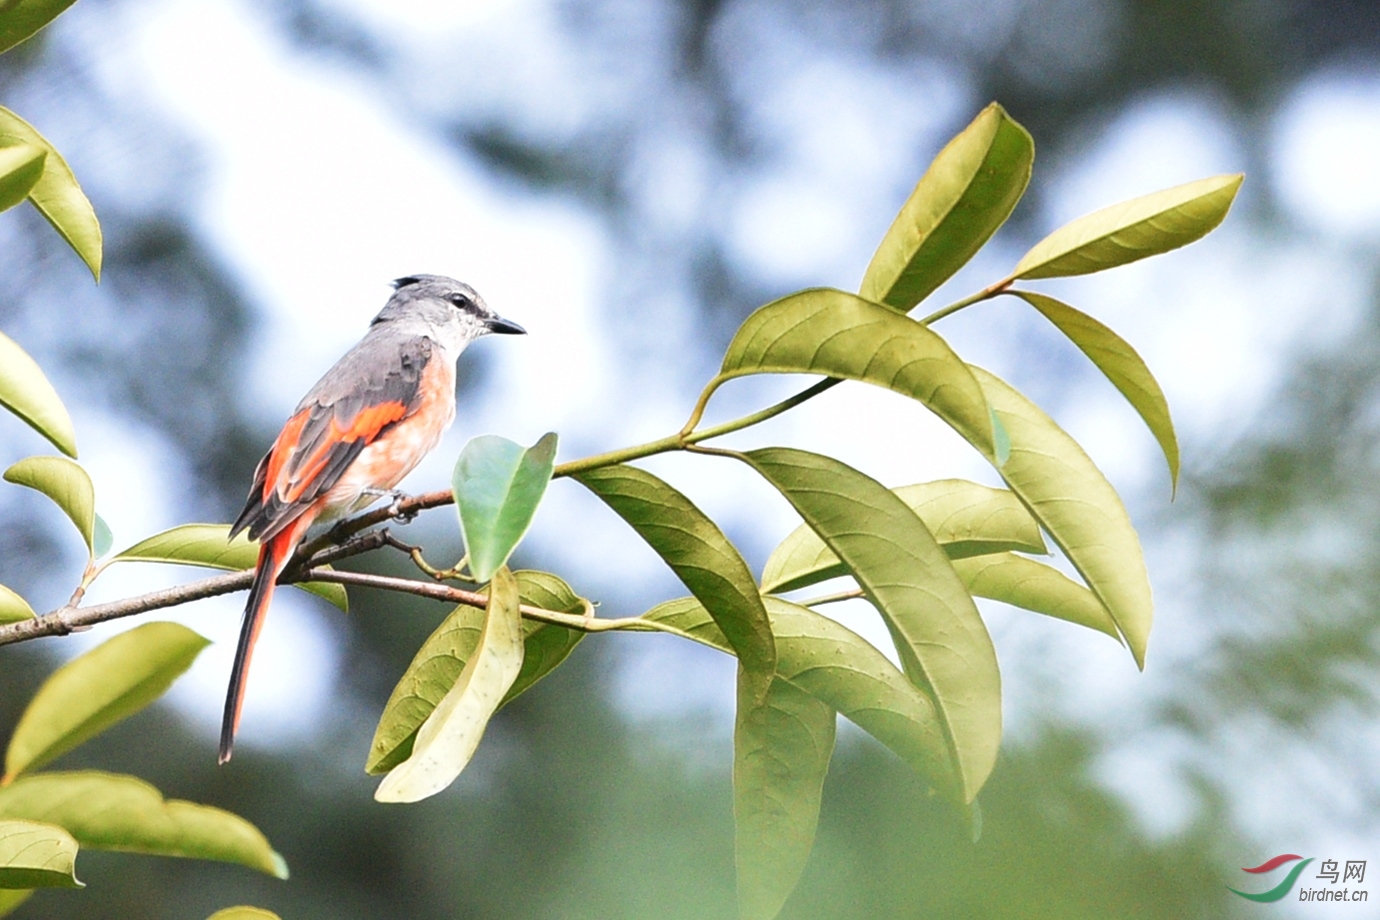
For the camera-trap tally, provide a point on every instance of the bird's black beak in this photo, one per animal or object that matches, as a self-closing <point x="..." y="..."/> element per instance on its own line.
<point x="505" y="326"/>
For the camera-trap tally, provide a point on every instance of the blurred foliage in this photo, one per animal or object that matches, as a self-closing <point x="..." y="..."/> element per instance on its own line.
<point x="568" y="814"/>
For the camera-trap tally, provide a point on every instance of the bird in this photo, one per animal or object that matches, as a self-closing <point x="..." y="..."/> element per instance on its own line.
<point x="363" y="427"/>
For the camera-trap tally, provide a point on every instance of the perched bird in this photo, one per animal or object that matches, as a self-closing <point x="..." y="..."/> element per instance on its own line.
<point x="355" y="435"/>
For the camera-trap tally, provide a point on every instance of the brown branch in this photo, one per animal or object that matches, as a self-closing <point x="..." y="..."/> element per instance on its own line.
<point x="69" y="619"/>
<point x="347" y="528"/>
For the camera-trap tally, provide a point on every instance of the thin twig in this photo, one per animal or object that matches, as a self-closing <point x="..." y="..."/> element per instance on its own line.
<point x="356" y="545"/>
<point x="351" y="526"/>
<point x="833" y="598"/>
<point x="451" y="595"/>
<point x="68" y="619"/>
<point x="987" y="293"/>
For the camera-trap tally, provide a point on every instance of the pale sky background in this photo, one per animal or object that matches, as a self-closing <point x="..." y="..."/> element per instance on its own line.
<point x="317" y="194"/>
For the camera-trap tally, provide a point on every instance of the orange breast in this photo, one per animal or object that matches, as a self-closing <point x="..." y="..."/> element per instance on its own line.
<point x="396" y="452"/>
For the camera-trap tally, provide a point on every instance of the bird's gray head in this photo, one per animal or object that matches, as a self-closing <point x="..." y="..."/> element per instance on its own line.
<point x="453" y="310"/>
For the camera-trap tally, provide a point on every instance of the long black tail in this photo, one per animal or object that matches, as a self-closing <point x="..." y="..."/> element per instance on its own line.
<point x="273" y="556"/>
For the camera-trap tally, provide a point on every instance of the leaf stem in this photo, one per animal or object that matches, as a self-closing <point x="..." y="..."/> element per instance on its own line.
<point x="688" y="435"/>
<point x="581" y="622"/>
<point x="771" y="411"/>
<point x="987" y="293"/>
<point x="701" y="404"/>
<point x="683" y="441"/>
<point x="614" y="457"/>
<point x="848" y="595"/>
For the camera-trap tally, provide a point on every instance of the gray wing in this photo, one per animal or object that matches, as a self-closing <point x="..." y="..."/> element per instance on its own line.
<point x="373" y="387"/>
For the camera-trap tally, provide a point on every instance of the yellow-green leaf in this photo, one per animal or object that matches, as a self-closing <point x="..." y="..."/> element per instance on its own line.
<point x="439" y="662"/>
<point x="967" y="519"/>
<point x="36" y="855"/>
<point x="107" y="811"/>
<point x="11" y="898"/>
<point x="26" y="392"/>
<point x="966" y="194"/>
<point x="699" y="553"/>
<point x="451" y="733"/>
<point x="823" y="331"/>
<point x="1123" y="366"/>
<point x="939" y="635"/>
<point x="21" y="166"/>
<point x="95" y="690"/>
<point x="1034" y="586"/>
<point x="208" y="545"/>
<point x="244" y="913"/>
<point x="781" y="751"/>
<point x="20" y="19"/>
<point x="838" y="667"/>
<point x="67" y="484"/>
<point x="1079" y="509"/>
<point x="57" y="195"/>
<point x="1132" y="230"/>
<point x="13" y="608"/>
<point x="545" y="645"/>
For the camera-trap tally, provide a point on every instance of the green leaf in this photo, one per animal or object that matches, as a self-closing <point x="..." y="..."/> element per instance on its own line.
<point x="1078" y="508"/>
<point x="966" y="519"/>
<point x="838" y="667"/>
<point x="11" y="898"/>
<point x="93" y="691"/>
<point x="433" y="671"/>
<point x="57" y="195"/>
<point x="699" y="553"/>
<point x="451" y="733"/>
<point x="966" y="194"/>
<point x="823" y="331"/>
<point x="545" y="645"/>
<point x="498" y="485"/>
<point x="1035" y="586"/>
<point x="13" y="608"/>
<point x="101" y="537"/>
<point x="943" y="644"/>
<point x="28" y="394"/>
<point x="21" y="166"/>
<point x="244" y="913"/>
<point x="66" y="483"/>
<point x="107" y="811"/>
<point x="20" y="19"/>
<point x="1132" y="230"/>
<point x="972" y="519"/>
<point x="209" y="545"/>
<point x="1114" y="356"/>
<point x="439" y="662"/>
<point x="781" y="751"/>
<point x="34" y="855"/>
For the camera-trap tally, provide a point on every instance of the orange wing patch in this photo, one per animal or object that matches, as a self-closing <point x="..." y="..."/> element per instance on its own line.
<point x="302" y="474"/>
<point x="283" y="449"/>
<point x="371" y="421"/>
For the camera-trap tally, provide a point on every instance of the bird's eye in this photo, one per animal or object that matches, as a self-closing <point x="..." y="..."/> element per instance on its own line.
<point x="461" y="301"/>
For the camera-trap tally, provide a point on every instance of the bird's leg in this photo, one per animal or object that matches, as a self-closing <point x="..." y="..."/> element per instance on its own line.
<point x="395" y="510"/>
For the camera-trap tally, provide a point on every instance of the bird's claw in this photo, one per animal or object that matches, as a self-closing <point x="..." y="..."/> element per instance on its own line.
<point x="395" y="510"/>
